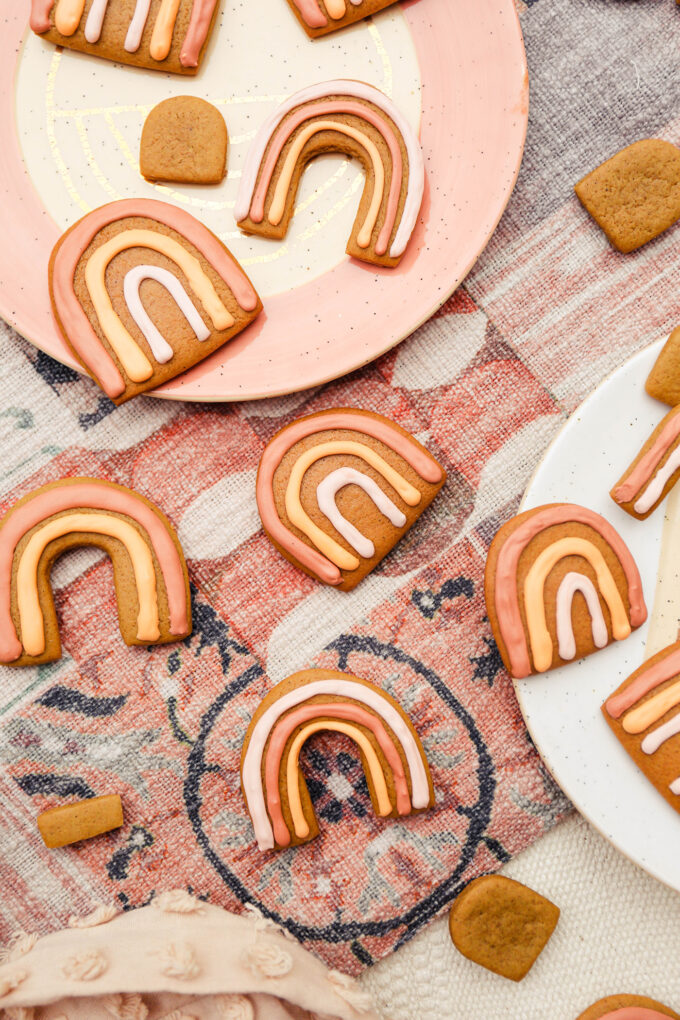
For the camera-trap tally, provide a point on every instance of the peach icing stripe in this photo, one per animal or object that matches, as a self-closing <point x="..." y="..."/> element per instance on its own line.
<point x="304" y="113"/>
<point x="297" y="515"/>
<point x="639" y="475"/>
<point x="336" y="9"/>
<point x="197" y="32"/>
<point x="300" y="823"/>
<point x="338" y="710"/>
<point x="67" y="16"/>
<point x="655" y="675"/>
<point x="506" y="597"/>
<point x="421" y="462"/>
<point x="89" y="494"/>
<point x="534" y="595"/>
<point x="81" y="335"/>
<point x="638" y="719"/>
<point x="635" y="1013"/>
<point x="28" y="600"/>
<point x="161" y="37"/>
<point x="40" y="15"/>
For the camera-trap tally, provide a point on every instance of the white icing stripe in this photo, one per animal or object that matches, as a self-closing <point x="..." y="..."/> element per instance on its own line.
<point x="252" y="762"/>
<point x="675" y="786"/>
<point x="659" y="736"/>
<point x="326" y="492"/>
<point x="570" y="584"/>
<point x="95" y="20"/>
<point x="133" y="39"/>
<point x="658" y="483"/>
<point x="358" y="90"/>
<point x="160" y="348"/>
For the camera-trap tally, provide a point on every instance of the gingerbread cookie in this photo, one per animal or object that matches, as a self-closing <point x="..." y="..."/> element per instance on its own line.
<point x="560" y="583"/>
<point x="150" y="575"/>
<point x="142" y="291"/>
<point x="654" y="472"/>
<point x="317" y="700"/>
<point x="663" y="382"/>
<point x="635" y="195"/>
<point x="70" y="823"/>
<point x="628" y="1007"/>
<point x="502" y="925"/>
<point x="338" y="489"/>
<point x="162" y="35"/>
<point x="184" y="140"/>
<point x="337" y="116"/>
<point x="319" y="17"/>
<point x="643" y="714"/>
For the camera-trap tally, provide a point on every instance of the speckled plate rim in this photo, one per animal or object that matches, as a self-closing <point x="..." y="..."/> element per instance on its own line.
<point x="473" y="128"/>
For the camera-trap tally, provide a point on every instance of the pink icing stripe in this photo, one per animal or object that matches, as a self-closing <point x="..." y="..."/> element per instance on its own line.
<point x="308" y="112"/>
<point x="92" y="494"/>
<point x="75" y="322"/>
<point x="506" y="597"/>
<point x="197" y="32"/>
<point x="279" y="738"/>
<point x="647" y="465"/>
<point x="421" y="461"/>
<point x="40" y="15"/>
<point x="645" y="682"/>
<point x="635" y="1013"/>
<point x="311" y="13"/>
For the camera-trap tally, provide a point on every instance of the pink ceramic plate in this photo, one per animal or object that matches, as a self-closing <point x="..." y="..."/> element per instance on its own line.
<point x="474" y="98"/>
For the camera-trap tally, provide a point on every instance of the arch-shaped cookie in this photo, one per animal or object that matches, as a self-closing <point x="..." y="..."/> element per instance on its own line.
<point x="151" y="578"/>
<point x="312" y="701"/>
<point x="337" y="116"/>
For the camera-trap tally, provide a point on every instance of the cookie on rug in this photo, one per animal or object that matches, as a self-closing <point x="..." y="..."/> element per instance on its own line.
<point x="663" y="382"/>
<point x="310" y="702"/>
<point x="150" y="575"/>
<point x="319" y="17"/>
<point x="162" y="35"/>
<point x="62" y="826"/>
<point x="628" y="1007"/>
<point x="343" y="116"/>
<point x="141" y="291"/>
<point x="502" y="925"/>
<point x="560" y="583"/>
<point x="184" y="141"/>
<point x="635" y="195"/>
<point x="643" y="714"/>
<point x="338" y="489"/>
<point x="654" y="472"/>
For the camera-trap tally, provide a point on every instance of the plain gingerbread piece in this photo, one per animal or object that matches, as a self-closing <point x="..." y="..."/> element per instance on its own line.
<point x="184" y="141"/>
<point x="502" y="925"/>
<point x="635" y="195"/>
<point x="70" y="823"/>
<point x="663" y="382"/>
<point x="628" y="1007"/>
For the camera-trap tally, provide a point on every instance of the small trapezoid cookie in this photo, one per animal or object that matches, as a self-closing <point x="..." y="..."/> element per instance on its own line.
<point x="70" y="823"/>
<point x="150" y="575"/>
<point x="663" y="382"/>
<point x="319" y="17"/>
<point x="643" y="715"/>
<point x="628" y="1007"/>
<point x="654" y="472"/>
<point x="141" y="291"/>
<point x="502" y="925"/>
<point x="184" y="140"/>
<point x="560" y="583"/>
<point x="338" y="489"/>
<point x="337" y="116"/>
<point x="310" y="702"/>
<point x="162" y="35"/>
<point x="635" y="195"/>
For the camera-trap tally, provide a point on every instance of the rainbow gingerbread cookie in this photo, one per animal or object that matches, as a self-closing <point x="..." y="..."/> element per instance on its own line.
<point x="643" y="714"/>
<point x="337" y="116"/>
<point x="142" y="291"/>
<point x="338" y="489"/>
<point x="163" y="35"/>
<point x="654" y="472"/>
<point x="560" y="583"/>
<point x="628" y="1007"/>
<point x="319" y="17"/>
<point x="310" y="702"/>
<point x="150" y="575"/>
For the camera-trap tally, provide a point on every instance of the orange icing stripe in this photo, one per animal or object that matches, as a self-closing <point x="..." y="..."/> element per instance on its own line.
<point x="67" y="16"/>
<point x="651" y="677"/>
<point x="651" y="711"/>
<point x="161" y="37"/>
<point x="534" y="600"/>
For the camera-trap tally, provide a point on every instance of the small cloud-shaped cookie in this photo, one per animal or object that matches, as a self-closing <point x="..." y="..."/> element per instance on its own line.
<point x="628" y="1007"/>
<point x="184" y="140"/>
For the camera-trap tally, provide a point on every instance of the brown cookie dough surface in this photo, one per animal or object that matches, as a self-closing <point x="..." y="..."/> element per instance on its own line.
<point x="663" y="382"/>
<point x="502" y="925"/>
<point x="184" y="141"/>
<point x="70" y="823"/>
<point x="627" y="1007"/>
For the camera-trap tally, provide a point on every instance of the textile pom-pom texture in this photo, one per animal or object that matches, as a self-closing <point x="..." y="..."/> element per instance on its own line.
<point x="125" y="1007"/>
<point x="19" y="945"/>
<point x="268" y="960"/>
<point x="178" y="960"/>
<point x="177" y="901"/>
<point x="85" y="966"/>
<point x="100" y="915"/>
<point x="235" y="1007"/>
<point x="350" y="991"/>
<point x="9" y="982"/>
